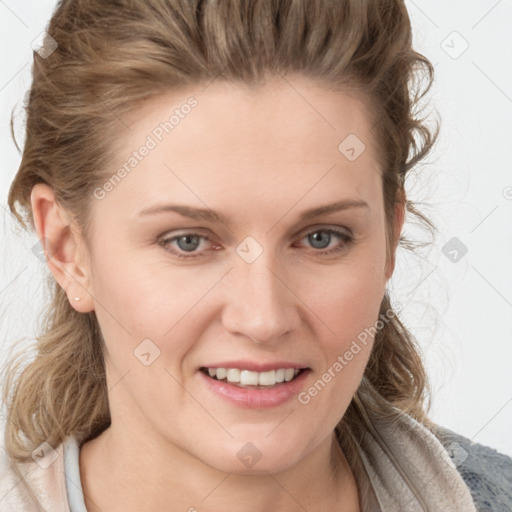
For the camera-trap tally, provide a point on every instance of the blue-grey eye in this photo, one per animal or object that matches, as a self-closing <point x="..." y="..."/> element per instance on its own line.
<point x="188" y="242"/>
<point x="320" y="239"/>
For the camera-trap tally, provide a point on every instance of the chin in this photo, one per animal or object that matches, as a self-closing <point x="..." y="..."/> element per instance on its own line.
<point x="259" y="456"/>
<point x="270" y="464"/>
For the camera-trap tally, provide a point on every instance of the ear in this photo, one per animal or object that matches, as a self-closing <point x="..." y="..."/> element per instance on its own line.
<point x="397" y="230"/>
<point x="64" y="249"/>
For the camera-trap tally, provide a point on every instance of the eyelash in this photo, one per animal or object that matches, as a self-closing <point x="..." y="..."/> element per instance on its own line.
<point x="344" y="236"/>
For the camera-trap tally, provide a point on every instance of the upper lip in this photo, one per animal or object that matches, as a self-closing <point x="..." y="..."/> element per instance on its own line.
<point x="256" y="367"/>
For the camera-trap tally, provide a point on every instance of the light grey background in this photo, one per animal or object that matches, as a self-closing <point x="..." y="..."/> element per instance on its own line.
<point x="461" y="312"/>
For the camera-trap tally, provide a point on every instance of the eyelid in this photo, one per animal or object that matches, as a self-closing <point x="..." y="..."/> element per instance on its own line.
<point x="339" y="231"/>
<point x="169" y="235"/>
<point x="323" y="227"/>
<point x="167" y="238"/>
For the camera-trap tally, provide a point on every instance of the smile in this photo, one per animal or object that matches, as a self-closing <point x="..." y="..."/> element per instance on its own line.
<point x="247" y="378"/>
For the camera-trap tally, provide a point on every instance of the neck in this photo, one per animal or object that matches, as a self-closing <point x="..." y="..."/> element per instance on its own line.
<point x="132" y="465"/>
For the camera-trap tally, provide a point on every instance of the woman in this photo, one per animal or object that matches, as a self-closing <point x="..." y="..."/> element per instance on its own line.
<point x="218" y="188"/>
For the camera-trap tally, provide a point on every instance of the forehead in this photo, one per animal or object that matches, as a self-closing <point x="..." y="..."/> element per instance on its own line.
<point x="279" y="139"/>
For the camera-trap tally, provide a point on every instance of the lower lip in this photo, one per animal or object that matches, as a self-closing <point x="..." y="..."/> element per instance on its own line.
<point x="254" y="398"/>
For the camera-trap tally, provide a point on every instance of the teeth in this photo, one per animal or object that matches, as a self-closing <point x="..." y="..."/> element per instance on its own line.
<point x="250" y="378"/>
<point x="267" y="378"/>
<point x="289" y="374"/>
<point x="233" y="375"/>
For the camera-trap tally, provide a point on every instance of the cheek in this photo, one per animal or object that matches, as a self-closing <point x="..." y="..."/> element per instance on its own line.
<point x="146" y="297"/>
<point x="347" y="298"/>
<point x="347" y="305"/>
<point x="351" y="310"/>
<point x="137" y="302"/>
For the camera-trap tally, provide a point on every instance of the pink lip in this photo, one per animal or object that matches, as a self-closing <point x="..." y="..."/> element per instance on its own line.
<point x="257" y="367"/>
<point x="254" y="398"/>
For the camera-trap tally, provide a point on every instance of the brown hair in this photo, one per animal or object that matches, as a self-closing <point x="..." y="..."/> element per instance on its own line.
<point x="112" y="55"/>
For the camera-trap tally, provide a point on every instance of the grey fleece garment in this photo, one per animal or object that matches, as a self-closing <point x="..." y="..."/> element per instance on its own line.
<point x="486" y="472"/>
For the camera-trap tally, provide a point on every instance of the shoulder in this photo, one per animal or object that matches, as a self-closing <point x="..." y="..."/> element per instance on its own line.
<point x="486" y="472"/>
<point x="12" y="493"/>
<point x="34" y="485"/>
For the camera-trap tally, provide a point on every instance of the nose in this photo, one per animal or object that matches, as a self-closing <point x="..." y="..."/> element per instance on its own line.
<point x="258" y="302"/>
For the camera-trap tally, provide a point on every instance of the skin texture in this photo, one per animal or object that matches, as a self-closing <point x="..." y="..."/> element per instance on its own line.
<point x="260" y="157"/>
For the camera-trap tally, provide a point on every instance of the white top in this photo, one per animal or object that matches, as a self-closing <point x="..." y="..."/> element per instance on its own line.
<point x="72" y="474"/>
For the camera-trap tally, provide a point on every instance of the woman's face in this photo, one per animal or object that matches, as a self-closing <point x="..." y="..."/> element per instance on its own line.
<point x="271" y="287"/>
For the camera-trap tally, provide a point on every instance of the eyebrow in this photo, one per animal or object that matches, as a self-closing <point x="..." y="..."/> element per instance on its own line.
<point x="213" y="216"/>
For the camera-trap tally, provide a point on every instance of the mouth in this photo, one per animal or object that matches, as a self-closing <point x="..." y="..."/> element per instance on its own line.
<point x="253" y="380"/>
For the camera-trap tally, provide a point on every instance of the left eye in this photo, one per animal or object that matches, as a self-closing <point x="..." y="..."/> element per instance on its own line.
<point x="187" y="243"/>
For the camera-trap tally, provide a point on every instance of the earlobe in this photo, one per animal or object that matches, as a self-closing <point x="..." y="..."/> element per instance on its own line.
<point x="62" y="247"/>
